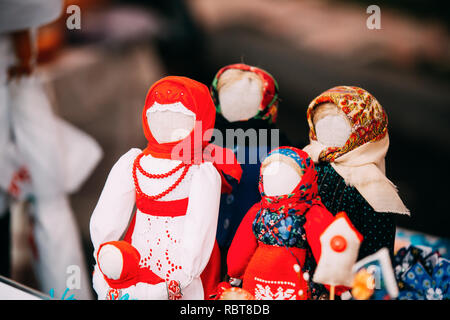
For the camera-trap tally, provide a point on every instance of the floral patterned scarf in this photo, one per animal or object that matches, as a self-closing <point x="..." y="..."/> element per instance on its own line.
<point x="361" y="161"/>
<point x="367" y="118"/>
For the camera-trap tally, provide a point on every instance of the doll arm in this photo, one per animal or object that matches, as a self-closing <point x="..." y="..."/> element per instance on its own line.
<point x="243" y="245"/>
<point x="114" y="208"/>
<point x="317" y="220"/>
<point x="201" y="222"/>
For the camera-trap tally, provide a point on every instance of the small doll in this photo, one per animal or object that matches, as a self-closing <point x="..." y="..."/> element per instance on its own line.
<point x="246" y="98"/>
<point x="348" y="142"/>
<point x="169" y="242"/>
<point x="271" y="251"/>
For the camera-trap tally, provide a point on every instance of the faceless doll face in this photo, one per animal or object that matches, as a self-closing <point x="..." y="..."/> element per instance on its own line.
<point x="279" y="177"/>
<point x="332" y="125"/>
<point x="170" y="122"/>
<point x="110" y="261"/>
<point x="240" y="94"/>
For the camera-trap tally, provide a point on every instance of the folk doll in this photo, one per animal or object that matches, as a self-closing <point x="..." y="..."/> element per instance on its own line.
<point x="170" y="239"/>
<point x="271" y="251"/>
<point x="348" y="142"/>
<point x="246" y="100"/>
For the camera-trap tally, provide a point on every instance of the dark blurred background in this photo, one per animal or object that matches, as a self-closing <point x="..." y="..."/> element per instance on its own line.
<point x="99" y="76"/>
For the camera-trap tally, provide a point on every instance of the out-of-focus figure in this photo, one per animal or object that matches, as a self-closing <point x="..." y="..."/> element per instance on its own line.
<point x="42" y="157"/>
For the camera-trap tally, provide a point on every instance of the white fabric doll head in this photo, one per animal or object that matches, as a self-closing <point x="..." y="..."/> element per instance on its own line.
<point x="281" y="174"/>
<point x="332" y="125"/>
<point x="170" y="122"/>
<point x="240" y="94"/>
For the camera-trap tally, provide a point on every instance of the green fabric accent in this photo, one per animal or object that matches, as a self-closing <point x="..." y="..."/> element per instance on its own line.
<point x="214" y="94"/>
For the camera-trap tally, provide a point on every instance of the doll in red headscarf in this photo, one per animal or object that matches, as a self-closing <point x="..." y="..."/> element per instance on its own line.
<point x="171" y="237"/>
<point x="278" y="242"/>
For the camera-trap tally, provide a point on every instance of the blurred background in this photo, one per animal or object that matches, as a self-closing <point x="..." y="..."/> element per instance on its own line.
<point x="97" y="77"/>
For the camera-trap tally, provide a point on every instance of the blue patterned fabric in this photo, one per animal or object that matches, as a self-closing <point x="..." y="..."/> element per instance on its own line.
<point x="291" y="154"/>
<point x="280" y="230"/>
<point x="422" y="274"/>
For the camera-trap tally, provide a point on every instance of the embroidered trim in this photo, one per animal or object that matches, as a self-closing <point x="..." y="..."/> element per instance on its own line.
<point x="275" y="282"/>
<point x="174" y="107"/>
<point x="265" y="293"/>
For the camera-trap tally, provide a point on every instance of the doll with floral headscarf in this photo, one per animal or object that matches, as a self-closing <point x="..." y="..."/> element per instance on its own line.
<point x="175" y="185"/>
<point x="246" y="100"/>
<point x="348" y="142"/>
<point x="278" y="242"/>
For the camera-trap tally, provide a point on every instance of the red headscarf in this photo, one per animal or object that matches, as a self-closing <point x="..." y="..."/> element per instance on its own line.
<point x="304" y="195"/>
<point x="194" y="96"/>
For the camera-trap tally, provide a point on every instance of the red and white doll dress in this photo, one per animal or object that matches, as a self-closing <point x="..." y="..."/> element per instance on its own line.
<point x="277" y="233"/>
<point x="171" y="237"/>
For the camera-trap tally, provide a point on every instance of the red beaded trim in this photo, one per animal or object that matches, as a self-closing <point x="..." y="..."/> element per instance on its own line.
<point x="155" y="176"/>
<point x="137" y="165"/>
